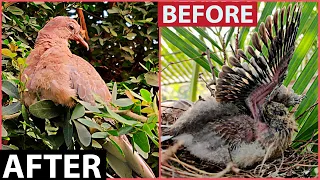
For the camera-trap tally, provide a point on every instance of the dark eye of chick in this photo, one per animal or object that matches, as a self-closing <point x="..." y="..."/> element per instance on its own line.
<point x="279" y="113"/>
<point x="71" y="27"/>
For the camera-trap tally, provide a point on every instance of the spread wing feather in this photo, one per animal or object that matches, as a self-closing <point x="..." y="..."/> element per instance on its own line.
<point x="252" y="81"/>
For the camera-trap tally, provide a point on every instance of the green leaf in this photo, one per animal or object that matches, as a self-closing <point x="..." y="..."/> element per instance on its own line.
<point x="106" y="29"/>
<point x="89" y="106"/>
<point x="113" y="132"/>
<point x="151" y="29"/>
<point x="89" y="123"/>
<point x="197" y="42"/>
<point x="125" y="130"/>
<point x="116" y="146"/>
<point x="15" y="10"/>
<point x="230" y="33"/>
<point x="100" y="135"/>
<point x="155" y="106"/>
<point x="141" y="139"/>
<point x="114" y="92"/>
<point x="204" y="34"/>
<point x="309" y="127"/>
<point x="25" y="114"/>
<point x="95" y="144"/>
<point x="4" y="132"/>
<point x="140" y="151"/>
<point x="113" y="33"/>
<point x="185" y="47"/>
<point x="149" y="19"/>
<point x="78" y="111"/>
<point x="153" y="137"/>
<point x="302" y="50"/>
<point x="113" y="10"/>
<point x="45" y="109"/>
<point x="123" y="102"/>
<point x="133" y="93"/>
<point x="131" y="36"/>
<point x="307" y="74"/>
<point x="146" y="95"/>
<point x="83" y="134"/>
<point x="152" y="78"/>
<point x="6" y="41"/>
<point x="121" y="119"/>
<point x="68" y="133"/>
<point x="10" y="89"/>
<point x="312" y="96"/>
<point x="12" y="108"/>
<point x="121" y="168"/>
<point x="8" y="53"/>
<point x="105" y="126"/>
<point x="127" y="49"/>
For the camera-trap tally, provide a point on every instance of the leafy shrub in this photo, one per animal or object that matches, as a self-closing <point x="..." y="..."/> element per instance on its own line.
<point x="123" y="40"/>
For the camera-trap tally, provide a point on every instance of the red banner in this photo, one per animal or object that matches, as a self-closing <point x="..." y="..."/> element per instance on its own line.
<point x="207" y="13"/>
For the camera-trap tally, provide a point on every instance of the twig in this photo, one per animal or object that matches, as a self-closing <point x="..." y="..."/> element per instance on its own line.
<point x="191" y="167"/>
<point x="175" y="170"/>
<point x="265" y="158"/>
<point x="185" y="167"/>
<point x="223" y="43"/>
<point x="230" y="167"/>
<point x="83" y="23"/>
<point x="132" y="115"/>
<point x="174" y="107"/>
<point x="307" y="110"/>
<point x="305" y="165"/>
<point x="11" y="116"/>
<point x="171" y="63"/>
<point x="207" y="85"/>
<point x="128" y="113"/>
<point x="170" y="151"/>
<point x="214" y="80"/>
<point x="7" y="4"/>
<point x="237" y="43"/>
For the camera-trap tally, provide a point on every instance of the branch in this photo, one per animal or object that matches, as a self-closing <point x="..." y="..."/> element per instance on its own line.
<point x="237" y="43"/>
<point x="83" y="23"/>
<point x="11" y="116"/>
<point x="181" y="62"/>
<point x="214" y="80"/>
<point x="132" y="115"/>
<point x="207" y="85"/>
<point x="307" y="110"/>
<point x="128" y="113"/>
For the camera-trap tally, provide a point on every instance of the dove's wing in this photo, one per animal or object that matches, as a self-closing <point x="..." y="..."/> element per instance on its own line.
<point x="254" y="80"/>
<point x="87" y="81"/>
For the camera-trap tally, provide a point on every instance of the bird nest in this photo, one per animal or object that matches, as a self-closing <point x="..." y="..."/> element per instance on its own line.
<point x="177" y="162"/>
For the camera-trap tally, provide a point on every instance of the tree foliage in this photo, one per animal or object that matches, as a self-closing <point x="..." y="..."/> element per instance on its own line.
<point x="123" y="40"/>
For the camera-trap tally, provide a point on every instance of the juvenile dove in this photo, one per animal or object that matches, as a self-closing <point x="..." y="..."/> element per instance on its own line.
<point x="54" y="73"/>
<point x="248" y="121"/>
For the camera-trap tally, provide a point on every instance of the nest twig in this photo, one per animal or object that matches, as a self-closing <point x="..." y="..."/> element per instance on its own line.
<point x="294" y="163"/>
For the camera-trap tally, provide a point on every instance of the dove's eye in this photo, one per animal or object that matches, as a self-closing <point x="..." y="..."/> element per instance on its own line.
<point x="71" y="27"/>
<point x="280" y="113"/>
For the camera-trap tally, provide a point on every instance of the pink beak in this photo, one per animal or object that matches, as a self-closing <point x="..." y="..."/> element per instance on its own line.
<point x="78" y="38"/>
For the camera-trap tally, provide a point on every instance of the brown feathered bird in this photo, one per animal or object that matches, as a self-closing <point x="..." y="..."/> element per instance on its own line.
<point x="54" y="73"/>
<point x="248" y="120"/>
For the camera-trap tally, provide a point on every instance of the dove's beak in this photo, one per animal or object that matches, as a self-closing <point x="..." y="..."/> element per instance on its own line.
<point x="80" y="39"/>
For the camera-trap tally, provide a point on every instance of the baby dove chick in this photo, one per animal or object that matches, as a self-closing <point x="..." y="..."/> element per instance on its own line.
<point x="248" y="120"/>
